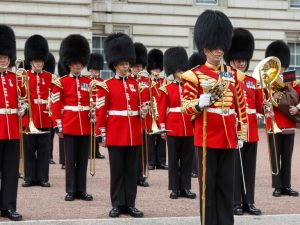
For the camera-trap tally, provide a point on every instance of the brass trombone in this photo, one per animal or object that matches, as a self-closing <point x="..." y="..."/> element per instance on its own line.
<point x="267" y="74"/>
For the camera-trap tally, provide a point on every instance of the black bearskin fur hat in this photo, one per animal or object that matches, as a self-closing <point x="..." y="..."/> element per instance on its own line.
<point x="213" y="30"/>
<point x="96" y="61"/>
<point x="118" y="47"/>
<point x="155" y="60"/>
<point x="242" y="46"/>
<point x="8" y="43"/>
<point x="141" y="56"/>
<point x="175" y="59"/>
<point x="50" y="64"/>
<point x="62" y="69"/>
<point x="74" y="49"/>
<point x="196" y="59"/>
<point x="281" y="51"/>
<point x="36" y="48"/>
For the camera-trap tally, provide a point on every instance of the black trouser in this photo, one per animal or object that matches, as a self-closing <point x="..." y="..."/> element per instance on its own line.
<point x="180" y="157"/>
<point x="61" y="151"/>
<point x="219" y="185"/>
<point x="143" y="162"/>
<point x="248" y="154"/>
<point x="36" y="154"/>
<point x="76" y="154"/>
<point x="123" y="162"/>
<point x="285" y="146"/>
<point x="51" y="143"/>
<point x="195" y="165"/>
<point x="157" y="150"/>
<point x="9" y="167"/>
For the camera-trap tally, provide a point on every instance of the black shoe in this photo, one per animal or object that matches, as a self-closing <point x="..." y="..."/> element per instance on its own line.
<point x="51" y="161"/>
<point x="174" y="194"/>
<point x="69" y="197"/>
<point x="251" y="209"/>
<point x="11" y="214"/>
<point x="277" y="192"/>
<point x="114" y="212"/>
<point x="28" y="184"/>
<point x="151" y="167"/>
<point x="290" y="192"/>
<point x="84" y="196"/>
<point x="134" y="212"/>
<point x="44" y="184"/>
<point x="194" y="175"/>
<point x="100" y="156"/>
<point x="63" y="166"/>
<point x="142" y="183"/>
<point x="238" y="210"/>
<point x="162" y="167"/>
<point x="187" y="194"/>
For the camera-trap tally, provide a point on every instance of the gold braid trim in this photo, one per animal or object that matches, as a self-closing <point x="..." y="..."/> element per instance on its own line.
<point x="190" y="76"/>
<point x="164" y="89"/>
<point x="56" y="80"/>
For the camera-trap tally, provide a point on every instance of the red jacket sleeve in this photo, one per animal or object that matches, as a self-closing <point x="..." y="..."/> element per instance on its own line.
<point x="56" y="104"/>
<point x="102" y="101"/>
<point x="162" y="107"/>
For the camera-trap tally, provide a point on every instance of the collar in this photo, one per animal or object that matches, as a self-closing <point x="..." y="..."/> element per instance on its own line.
<point x="3" y="73"/>
<point x="118" y="77"/>
<point x="177" y="82"/>
<point x="214" y="67"/>
<point x="75" y="76"/>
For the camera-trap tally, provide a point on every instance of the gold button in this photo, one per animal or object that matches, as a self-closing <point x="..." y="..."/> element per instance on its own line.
<point x="7" y="111"/>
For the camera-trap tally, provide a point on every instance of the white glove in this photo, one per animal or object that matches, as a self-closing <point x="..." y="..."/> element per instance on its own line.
<point x="22" y="107"/>
<point x="204" y="100"/>
<point x="144" y="110"/>
<point x="93" y="115"/>
<point x="58" y="128"/>
<point x="240" y="144"/>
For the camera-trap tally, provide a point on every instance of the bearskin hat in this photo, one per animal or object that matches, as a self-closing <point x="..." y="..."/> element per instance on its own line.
<point x="175" y="59"/>
<point x="281" y="51"/>
<point x="62" y="69"/>
<point x="118" y="47"/>
<point x="74" y="49"/>
<point x="96" y="61"/>
<point x="36" y="48"/>
<point x="242" y="46"/>
<point x="213" y="30"/>
<point x="49" y="65"/>
<point x="140" y="54"/>
<point x="8" y="43"/>
<point x="197" y="58"/>
<point x="155" y="60"/>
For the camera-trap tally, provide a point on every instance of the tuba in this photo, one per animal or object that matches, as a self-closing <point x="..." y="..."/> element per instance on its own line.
<point x="267" y="75"/>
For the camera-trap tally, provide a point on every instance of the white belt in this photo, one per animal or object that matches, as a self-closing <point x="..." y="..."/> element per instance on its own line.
<point x="175" y="109"/>
<point x="223" y="112"/>
<point x="40" y="101"/>
<point x="251" y="111"/>
<point x="123" y="113"/>
<point x="76" y="108"/>
<point x="8" y="111"/>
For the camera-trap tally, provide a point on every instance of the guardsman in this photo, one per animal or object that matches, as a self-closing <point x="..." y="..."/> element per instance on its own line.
<point x="139" y="65"/>
<point x="10" y="110"/>
<point x="238" y="57"/>
<point x="285" y="139"/>
<point x="156" y="145"/>
<point x="40" y="83"/>
<point x="94" y="67"/>
<point x="180" y="138"/>
<point x="210" y="94"/>
<point x="71" y="95"/>
<point x="118" y="125"/>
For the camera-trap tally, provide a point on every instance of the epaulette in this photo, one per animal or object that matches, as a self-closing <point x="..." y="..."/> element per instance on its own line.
<point x="240" y="75"/>
<point x="103" y="85"/>
<point x="190" y="76"/>
<point x="164" y="89"/>
<point x="153" y="83"/>
<point x="195" y="67"/>
<point x="56" y="80"/>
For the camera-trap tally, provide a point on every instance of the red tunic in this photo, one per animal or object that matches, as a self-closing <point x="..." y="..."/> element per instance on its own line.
<point x="8" y="103"/>
<point x="221" y="129"/>
<point x="170" y="111"/>
<point x="70" y="104"/>
<point x="117" y="112"/>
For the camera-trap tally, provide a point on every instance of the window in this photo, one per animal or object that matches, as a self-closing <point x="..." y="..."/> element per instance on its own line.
<point x="295" y="3"/>
<point x="295" y="57"/>
<point x="98" y="47"/>
<point x="210" y="2"/>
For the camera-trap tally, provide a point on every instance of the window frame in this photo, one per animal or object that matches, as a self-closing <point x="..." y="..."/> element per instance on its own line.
<point x="294" y="56"/>
<point x="206" y="3"/>
<point x="294" y="6"/>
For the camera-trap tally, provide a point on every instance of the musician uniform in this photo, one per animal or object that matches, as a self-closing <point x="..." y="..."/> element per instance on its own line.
<point x="10" y="133"/>
<point x="213" y="33"/>
<point x="242" y="48"/>
<point x="37" y="145"/>
<point x="118" y="124"/>
<point x="180" y="134"/>
<point x="71" y="95"/>
<point x="284" y="139"/>
<point x="156" y="145"/>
